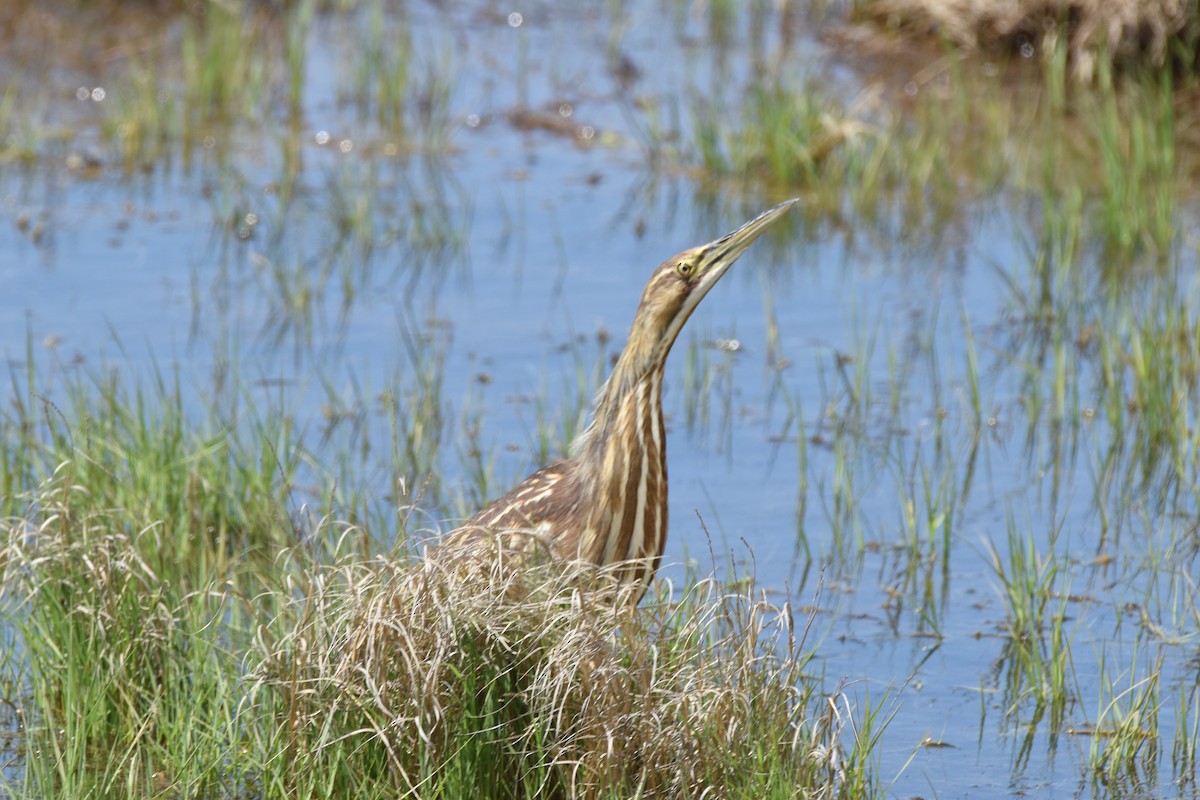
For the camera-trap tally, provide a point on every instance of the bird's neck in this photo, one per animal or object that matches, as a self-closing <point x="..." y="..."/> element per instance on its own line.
<point x="625" y="459"/>
<point x="633" y="390"/>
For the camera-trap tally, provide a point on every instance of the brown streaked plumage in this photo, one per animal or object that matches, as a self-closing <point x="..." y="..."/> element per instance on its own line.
<point x="607" y="503"/>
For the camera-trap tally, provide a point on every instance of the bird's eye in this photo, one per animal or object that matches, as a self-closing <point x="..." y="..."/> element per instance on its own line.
<point x="684" y="269"/>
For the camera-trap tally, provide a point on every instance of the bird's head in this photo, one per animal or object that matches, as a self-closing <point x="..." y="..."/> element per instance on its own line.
<point x="675" y="289"/>
<point x="681" y="282"/>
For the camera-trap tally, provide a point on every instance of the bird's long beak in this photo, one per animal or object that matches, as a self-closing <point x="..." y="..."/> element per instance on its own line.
<point x="718" y="255"/>
<point x="713" y="259"/>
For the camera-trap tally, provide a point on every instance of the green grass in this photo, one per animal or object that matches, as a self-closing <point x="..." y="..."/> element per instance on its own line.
<point x="331" y="671"/>
<point x="125" y="690"/>
<point x="912" y="170"/>
<point x="1037" y="653"/>
<point x="190" y="612"/>
<point x="133" y="452"/>
<point x="209" y="596"/>
<point x="1125" y="739"/>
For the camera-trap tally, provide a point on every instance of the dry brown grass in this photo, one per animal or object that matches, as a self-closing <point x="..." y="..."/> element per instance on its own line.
<point x="349" y="675"/>
<point x="554" y="687"/>
<point x="1152" y="31"/>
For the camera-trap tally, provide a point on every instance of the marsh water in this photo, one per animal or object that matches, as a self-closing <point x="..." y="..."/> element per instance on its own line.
<point x="901" y="421"/>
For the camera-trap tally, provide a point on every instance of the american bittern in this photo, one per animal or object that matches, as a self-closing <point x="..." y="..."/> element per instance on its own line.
<point x="607" y="503"/>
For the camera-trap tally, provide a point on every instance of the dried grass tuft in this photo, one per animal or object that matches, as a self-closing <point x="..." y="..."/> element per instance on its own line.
<point x="385" y="678"/>
<point x="1152" y="31"/>
<point x="554" y="685"/>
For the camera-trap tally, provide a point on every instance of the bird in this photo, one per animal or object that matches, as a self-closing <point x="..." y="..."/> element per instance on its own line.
<point x="606" y="504"/>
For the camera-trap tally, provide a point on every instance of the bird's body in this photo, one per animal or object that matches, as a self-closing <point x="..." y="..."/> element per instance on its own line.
<point x="604" y="505"/>
<point x="607" y="503"/>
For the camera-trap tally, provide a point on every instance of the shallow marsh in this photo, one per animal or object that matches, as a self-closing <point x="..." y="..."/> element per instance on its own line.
<point x="369" y="264"/>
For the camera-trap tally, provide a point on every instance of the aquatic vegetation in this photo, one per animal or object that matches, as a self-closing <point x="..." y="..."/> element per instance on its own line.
<point x="339" y="672"/>
<point x="290" y="288"/>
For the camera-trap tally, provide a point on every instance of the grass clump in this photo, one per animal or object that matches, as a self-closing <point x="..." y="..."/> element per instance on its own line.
<point x="784" y="132"/>
<point x="1094" y="31"/>
<point x="213" y="493"/>
<point x="344" y="673"/>
<point x="438" y="679"/>
<point x="118" y="674"/>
